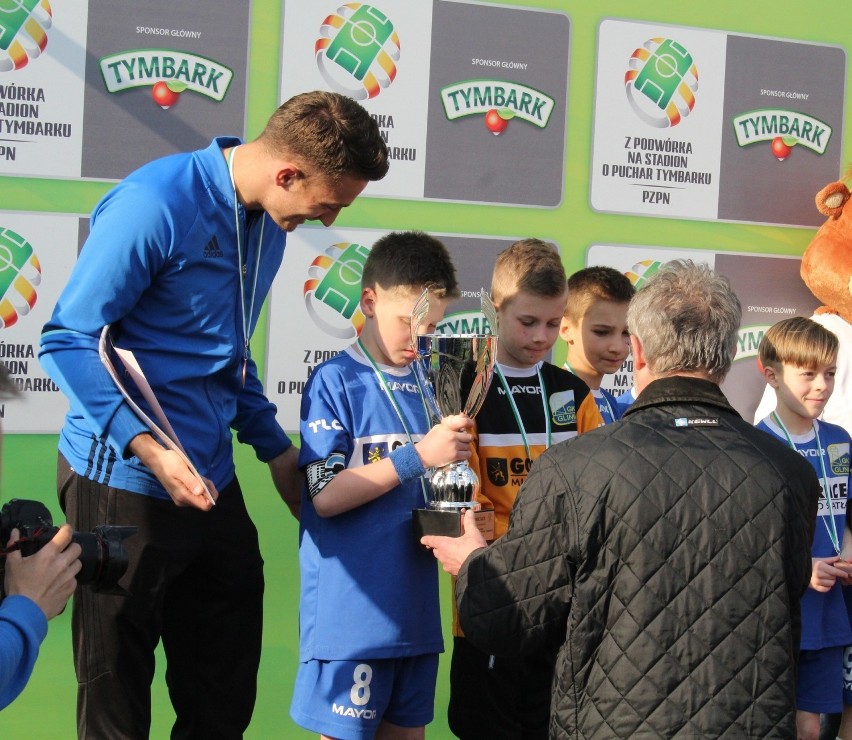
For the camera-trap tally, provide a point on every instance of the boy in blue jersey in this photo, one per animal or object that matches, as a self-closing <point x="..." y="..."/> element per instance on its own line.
<point x="370" y="630"/>
<point x="594" y="328"/>
<point x="799" y="360"/>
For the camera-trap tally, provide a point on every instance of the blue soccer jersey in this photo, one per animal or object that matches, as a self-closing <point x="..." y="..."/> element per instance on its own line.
<point x="625" y="401"/>
<point x="368" y="589"/>
<point x="825" y="619"/>
<point x="607" y="405"/>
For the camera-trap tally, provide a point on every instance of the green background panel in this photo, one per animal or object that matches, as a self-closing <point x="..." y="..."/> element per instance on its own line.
<point x="46" y="708"/>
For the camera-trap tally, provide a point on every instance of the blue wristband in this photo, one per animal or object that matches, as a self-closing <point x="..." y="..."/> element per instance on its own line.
<point x="407" y="463"/>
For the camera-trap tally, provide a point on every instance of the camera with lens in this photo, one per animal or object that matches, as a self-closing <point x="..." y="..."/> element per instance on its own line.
<point x="103" y="556"/>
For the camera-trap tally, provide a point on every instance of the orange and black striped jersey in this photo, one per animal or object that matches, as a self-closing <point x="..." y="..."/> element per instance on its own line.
<point x="499" y="453"/>
<point x="500" y="456"/>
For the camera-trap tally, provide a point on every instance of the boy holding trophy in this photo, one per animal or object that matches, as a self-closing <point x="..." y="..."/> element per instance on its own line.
<point x="531" y="405"/>
<point x="370" y="630"/>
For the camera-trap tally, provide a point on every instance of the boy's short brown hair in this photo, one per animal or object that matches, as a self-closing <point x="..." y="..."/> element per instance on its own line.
<point x="411" y="259"/>
<point x="597" y="283"/>
<point x="529" y="265"/>
<point x="798" y="341"/>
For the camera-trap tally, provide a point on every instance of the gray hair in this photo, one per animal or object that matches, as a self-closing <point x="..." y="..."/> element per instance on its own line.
<point x="687" y="318"/>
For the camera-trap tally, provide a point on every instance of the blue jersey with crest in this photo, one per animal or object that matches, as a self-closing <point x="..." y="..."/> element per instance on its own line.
<point x="825" y="619"/>
<point x="607" y="405"/>
<point x="368" y="589"/>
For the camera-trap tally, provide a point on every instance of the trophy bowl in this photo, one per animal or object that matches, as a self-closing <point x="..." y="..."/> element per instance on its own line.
<point x="454" y="373"/>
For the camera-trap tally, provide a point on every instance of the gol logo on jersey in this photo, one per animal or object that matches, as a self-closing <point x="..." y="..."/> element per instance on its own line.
<point x="23" y="31"/>
<point x="357" y="50"/>
<point x="563" y="409"/>
<point x="661" y="81"/>
<point x="838" y="458"/>
<point x="167" y="72"/>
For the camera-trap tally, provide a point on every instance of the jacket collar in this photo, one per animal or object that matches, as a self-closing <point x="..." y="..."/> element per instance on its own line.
<point x="215" y="168"/>
<point x="681" y="389"/>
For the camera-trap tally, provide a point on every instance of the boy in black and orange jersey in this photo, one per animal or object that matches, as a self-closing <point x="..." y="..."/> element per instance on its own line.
<point x="531" y="404"/>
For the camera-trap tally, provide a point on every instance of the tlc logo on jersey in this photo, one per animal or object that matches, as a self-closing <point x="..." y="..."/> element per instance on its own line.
<point x="357" y="51"/>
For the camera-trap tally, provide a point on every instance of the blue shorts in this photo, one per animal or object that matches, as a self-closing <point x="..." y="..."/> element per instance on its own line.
<point x="847" y="675"/>
<point x="820" y="686"/>
<point x="348" y="699"/>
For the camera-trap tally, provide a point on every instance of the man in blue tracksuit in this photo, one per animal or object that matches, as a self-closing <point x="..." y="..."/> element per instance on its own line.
<point x="179" y="259"/>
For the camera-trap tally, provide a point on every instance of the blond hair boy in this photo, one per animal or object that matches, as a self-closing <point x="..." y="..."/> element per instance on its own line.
<point x="799" y="360"/>
<point x="531" y="405"/>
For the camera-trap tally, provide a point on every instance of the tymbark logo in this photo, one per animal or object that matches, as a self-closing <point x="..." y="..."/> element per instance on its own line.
<point x="499" y="100"/>
<point x="167" y="72"/>
<point x="784" y="128"/>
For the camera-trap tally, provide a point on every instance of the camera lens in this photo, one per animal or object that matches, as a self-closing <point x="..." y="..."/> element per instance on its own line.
<point x="103" y="557"/>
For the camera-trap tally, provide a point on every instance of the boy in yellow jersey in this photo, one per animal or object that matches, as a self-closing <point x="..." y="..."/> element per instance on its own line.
<point x="531" y="405"/>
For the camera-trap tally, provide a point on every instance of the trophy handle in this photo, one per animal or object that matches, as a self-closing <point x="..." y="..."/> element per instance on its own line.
<point x="486" y="305"/>
<point x="418" y="313"/>
<point x="447" y="385"/>
<point x="426" y="391"/>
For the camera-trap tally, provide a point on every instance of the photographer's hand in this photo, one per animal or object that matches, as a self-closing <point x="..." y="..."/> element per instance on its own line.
<point x="48" y="577"/>
<point x="172" y="472"/>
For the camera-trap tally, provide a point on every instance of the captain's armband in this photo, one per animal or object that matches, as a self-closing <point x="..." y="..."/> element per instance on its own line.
<point x="320" y="473"/>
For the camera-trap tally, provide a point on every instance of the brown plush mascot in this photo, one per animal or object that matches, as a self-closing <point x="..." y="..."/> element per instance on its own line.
<point x="827" y="271"/>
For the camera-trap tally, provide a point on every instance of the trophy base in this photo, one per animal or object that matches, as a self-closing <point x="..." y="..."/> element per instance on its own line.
<point x="448" y="522"/>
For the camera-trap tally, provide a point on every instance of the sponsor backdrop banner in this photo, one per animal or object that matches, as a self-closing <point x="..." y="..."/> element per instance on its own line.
<point x="37" y="254"/>
<point x="692" y="123"/>
<point x="96" y="89"/>
<point x="161" y="77"/>
<point x="42" y="61"/>
<point x="470" y="97"/>
<point x="769" y="288"/>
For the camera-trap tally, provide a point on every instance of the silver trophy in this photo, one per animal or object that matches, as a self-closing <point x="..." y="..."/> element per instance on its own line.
<point x="453" y="372"/>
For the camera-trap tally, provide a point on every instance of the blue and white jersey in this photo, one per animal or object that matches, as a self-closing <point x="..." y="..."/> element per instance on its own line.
<point x="368" y="589"/>
<point x="607" y="405"/>
<point x="625" y="400"/>
<point x="825" y="619"/>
